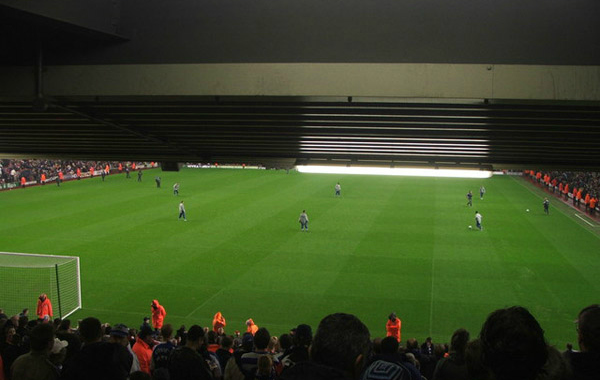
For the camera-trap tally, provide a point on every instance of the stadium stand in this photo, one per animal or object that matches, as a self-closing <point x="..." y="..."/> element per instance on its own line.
<point x="30" y="172"/>
<point x="580" y="189"/>
<point x="511" y="345"/>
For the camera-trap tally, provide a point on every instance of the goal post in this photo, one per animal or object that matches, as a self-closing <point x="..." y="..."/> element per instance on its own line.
<point x="25" y="276"/>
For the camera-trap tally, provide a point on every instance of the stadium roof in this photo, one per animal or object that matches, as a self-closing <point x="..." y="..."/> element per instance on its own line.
<point x="83" y="82"/>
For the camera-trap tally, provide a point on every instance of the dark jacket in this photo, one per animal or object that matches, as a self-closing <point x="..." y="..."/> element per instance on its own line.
<point x="313" y="371"/>
<point x="453" y="367"/>
<point x="584" y="365"/>
<point x="99" y="361"/>
<point x="188" y="364"/>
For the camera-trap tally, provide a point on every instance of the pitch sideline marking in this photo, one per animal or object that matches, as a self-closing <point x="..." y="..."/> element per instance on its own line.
<point x="555" y="208"/>
<point x="579" y="216"/>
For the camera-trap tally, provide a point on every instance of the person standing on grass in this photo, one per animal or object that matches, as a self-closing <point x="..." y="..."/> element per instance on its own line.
<point x="393" y="326"/>
<point x="303" y="221"/>
<point x="219" y="322"/>
<point x="470" y="198"/>
<point x="182" y="211"/>
<point x="158" y="315"/>
<point x="176" y="188"/>
<point x="140" y="175"/>
<point x="251" y="327"/>
<point x="44" y="308"/>
<point x="481" y="192"/>
<point x="338" y="189"/>
<point x="546" y="206"/>
<point x="478" y="218"/>
<point x="157" y="179"/>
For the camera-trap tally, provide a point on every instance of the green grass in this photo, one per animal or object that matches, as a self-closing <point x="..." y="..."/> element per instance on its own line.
<point x="388" y="244"/>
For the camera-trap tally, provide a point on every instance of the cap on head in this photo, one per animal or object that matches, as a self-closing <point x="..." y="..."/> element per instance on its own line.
<point x="119" y="330"/>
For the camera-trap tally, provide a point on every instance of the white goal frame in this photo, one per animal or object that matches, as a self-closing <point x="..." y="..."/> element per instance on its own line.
<point x="53" y="261"/>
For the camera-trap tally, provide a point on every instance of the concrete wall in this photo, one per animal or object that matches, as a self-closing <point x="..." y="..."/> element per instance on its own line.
<point x="450" y="81"/>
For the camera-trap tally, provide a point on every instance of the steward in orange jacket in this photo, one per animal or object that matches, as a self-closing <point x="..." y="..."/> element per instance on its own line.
<point x="44" y="308"/>
<point x="586" y="201"/>
<point x="43" y="179"/>
<point x="23" y="180"/>
<point x="593" y="203"/>
<point x="78" y="173"/>
<point x="158" y="315"/>
<point x="218" y="322"/>
<point x="393" y="326"/>
<point x="252" y="328"/>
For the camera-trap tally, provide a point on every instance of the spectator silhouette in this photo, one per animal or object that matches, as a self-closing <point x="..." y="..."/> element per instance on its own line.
<point x="586" y="363"/>
<point x="35" y="364"/>
<point x="186" y="362"/>
<point x="513" y="346"/>
<point x="97" y="360"/>
<point x="454" y="366"/>
<point x="339" y="350"/>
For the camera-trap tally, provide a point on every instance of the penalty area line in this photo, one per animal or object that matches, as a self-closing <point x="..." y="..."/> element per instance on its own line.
<point x="579" y="216"/>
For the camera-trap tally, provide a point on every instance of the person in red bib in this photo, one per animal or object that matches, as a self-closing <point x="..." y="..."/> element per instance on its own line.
<point x="393" y="326"/>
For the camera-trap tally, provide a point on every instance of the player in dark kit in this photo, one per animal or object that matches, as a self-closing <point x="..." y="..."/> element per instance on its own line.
<point x="546" y="206"/>
<point x="469" y="198"/>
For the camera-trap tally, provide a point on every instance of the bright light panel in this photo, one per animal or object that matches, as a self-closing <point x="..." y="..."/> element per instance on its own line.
<point x="452" y="173"/>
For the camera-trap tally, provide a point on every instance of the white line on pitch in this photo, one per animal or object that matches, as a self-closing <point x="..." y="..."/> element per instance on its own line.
<point x="585" y="220"/>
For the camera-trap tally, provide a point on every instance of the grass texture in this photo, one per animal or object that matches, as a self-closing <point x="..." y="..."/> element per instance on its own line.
<point x="387" y="244"/>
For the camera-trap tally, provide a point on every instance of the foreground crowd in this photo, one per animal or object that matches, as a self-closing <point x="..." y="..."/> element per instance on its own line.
<point x="510" y="345"/>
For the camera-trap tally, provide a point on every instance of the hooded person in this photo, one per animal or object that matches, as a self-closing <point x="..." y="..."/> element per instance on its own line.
<point x="44" y="308"/>
<point x="158" y="315"/>
<point x="218" y="322"/>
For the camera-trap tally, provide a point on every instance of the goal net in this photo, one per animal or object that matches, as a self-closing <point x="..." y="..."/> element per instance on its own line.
<point x="26" y="276"/>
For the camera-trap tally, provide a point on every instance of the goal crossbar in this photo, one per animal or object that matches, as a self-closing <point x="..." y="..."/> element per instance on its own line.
<point x="27" y="275"/>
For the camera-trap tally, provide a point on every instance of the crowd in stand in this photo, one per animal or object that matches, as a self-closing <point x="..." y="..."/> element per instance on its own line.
<point x="20" y="172"/>
<point x="510" y="346"/>
<point x="580" y="188"/>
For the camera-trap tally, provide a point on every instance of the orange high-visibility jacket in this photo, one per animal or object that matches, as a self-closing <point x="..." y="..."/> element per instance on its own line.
<point x="393" y="328"/>
<point x="252" y="328"/>
<point x="44" y="308"/>
<point x="158" y="314"/>
<point x="218" y="321"/>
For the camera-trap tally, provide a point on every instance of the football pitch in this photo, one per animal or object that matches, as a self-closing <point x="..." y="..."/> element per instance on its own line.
<point x="387" y="244"/>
